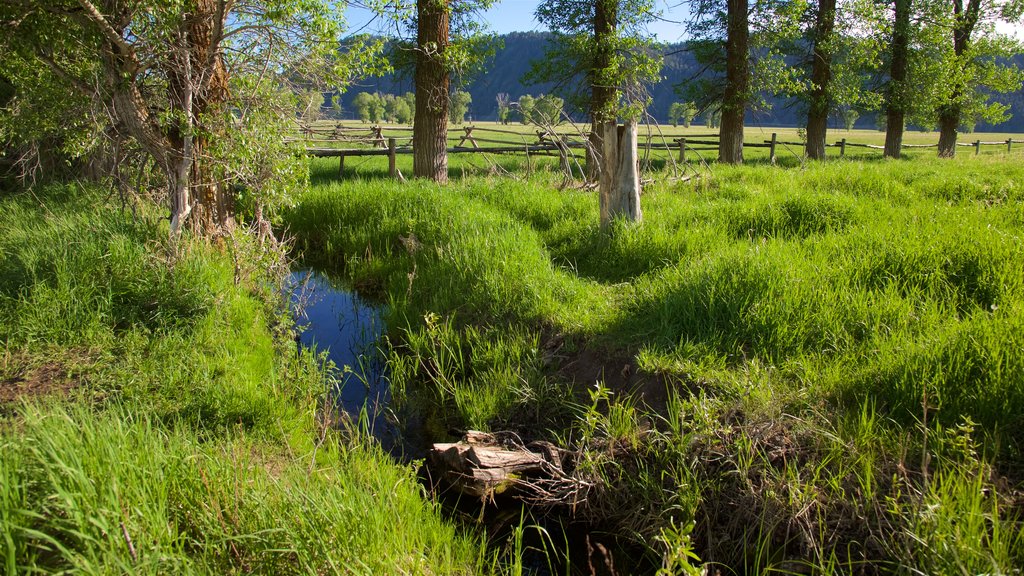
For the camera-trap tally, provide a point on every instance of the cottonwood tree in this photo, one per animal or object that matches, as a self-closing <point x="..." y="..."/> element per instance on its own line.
<point x="186" y="81"/>
<point x="976" y="57"/>
<point x="446" y="41"/>
<point x="738" y="43"/>
<point x="600" y="58"/>
<point x="837" y="68"/>
<point x="459" y="107"/>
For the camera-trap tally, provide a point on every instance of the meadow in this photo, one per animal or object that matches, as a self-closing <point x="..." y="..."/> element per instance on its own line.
<point x="799" y="368"/>
<point x="157" y="418"/>
<point x="802" y="368"/>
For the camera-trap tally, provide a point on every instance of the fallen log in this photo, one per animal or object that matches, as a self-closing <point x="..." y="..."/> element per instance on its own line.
<point x="478" y="465"/>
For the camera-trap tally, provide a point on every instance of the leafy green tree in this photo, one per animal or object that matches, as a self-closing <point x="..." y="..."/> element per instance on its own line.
<point x="727" y="34"/>
<point x="682" y="112"/>
<point x="849" y="117"/>
<point x="460" y="102"/>
<point x="364" y="105"/>
<point x="178" y="81"/>
<point x="548" y="110"/>
<point x="310" y="104"/>
<point x="603" y="56"/>
<point x="403" y="112"/>
<point x="977" y="67"/>
<point x="526" y="106"/>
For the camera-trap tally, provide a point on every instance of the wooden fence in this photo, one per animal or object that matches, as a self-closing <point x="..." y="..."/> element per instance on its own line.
<point x="543" y="142"/>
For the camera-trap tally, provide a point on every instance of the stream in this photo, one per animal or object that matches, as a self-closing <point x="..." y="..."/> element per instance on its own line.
<point x="347" y="328"/>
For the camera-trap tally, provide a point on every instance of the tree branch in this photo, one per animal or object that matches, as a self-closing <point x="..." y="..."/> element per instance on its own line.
<point x="108" y="31"/>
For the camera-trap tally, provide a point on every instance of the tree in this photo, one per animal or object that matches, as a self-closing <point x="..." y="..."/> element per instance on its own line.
<point x="310" y="104"/>
<point x="364" y="105"/>
<point x="713" y="117"/>
<point x="460" y="102"/>
<point x="403" y="112"/>
<point x="975" y="69"/>
<point x="430" y="130"/>
<point x="819" y="101"/>
<point x="526" y="105"/>
<point x="682" y="112"/>
<point x="898" y="92"/>
<point x="849" y="117"/>
<point x="600" y="58"/>
<point x="177" y="81"/>
<point x="738" y="43"/>
<point x="504" y="107"/>
<point x="548" y="110"/>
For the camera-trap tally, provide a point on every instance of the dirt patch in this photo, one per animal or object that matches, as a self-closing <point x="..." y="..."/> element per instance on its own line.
<point x="586" y="364"/>
<point x="34" y="381"/>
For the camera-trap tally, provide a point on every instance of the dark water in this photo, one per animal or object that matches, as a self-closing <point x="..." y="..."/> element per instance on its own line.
<point x="334" y="319"/>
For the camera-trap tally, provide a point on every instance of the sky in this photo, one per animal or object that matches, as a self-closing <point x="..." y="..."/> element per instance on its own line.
<point x="517" y="16"/>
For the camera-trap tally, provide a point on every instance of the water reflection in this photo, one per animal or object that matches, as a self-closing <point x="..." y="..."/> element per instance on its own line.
<point x="336" y="320"/>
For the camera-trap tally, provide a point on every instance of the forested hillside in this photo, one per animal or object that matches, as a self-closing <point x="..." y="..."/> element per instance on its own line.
<point x="505" y="74"/>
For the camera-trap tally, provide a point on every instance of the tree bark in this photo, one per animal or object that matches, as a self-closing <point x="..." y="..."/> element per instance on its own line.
<point x="430" y="125"/>
<point x="737" y="83"/>
<point x="950" y="114"/>
<point x="821" y="76"/>
<point x="602" y="95"/>
<point x="897" y="94"/>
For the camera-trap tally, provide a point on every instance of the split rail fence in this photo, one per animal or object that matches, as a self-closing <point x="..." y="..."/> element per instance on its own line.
<point x="564" y="145"/>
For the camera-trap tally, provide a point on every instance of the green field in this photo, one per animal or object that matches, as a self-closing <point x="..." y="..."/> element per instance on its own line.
<point x="803" y="368"/>
<point x="817" y="366"/>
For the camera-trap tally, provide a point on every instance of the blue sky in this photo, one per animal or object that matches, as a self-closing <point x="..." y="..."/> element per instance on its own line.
<point x="517" y="16"/>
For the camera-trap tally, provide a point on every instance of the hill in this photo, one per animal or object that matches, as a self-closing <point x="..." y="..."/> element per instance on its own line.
<point x="505" y="72"/>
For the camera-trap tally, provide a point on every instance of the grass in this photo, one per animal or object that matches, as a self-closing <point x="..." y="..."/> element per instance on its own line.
<point x="166" y="423"/>
<point x="841" y="343"/>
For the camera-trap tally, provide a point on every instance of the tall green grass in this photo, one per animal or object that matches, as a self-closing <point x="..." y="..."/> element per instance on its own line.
<point x="195" y="438"/>
<point x="795" y="295"/>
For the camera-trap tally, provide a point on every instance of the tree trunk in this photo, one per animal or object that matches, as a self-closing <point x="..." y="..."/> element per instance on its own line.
<point x="737" y="83"/>
<point x="950" y="114"/>
<point x="602" y="95"/>
<point x="430" y="125"/>
<point x="949" y="121"/>
<point x="821" y="76"/>
<point x="620" y="175"/>
<point x="897" y="95"/>
<point x="215" y="206"/>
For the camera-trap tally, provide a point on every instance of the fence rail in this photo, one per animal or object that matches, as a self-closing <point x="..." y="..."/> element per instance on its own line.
<point x="546" y="142"/>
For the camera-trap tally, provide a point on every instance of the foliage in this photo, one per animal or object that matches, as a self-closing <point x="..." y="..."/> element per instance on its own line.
<point x="682" y="112"/>
<point x="161" y="79"/>
<point x="459" y="106"/>
<point x="573" y="58"/>
<point x="526" y="106"/>
<point x="548" y="110"/>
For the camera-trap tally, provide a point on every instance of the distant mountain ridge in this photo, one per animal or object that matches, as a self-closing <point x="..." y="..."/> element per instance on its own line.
<point x="504" y="74"/>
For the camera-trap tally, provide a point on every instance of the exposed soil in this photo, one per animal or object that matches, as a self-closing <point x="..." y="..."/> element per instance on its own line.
<point x="35" y="380"/>
<point x="585" y="364"/>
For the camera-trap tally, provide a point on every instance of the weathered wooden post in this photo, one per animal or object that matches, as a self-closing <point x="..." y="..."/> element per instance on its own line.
<point x="682" y="150"/>
<point x="620" y="174"/>
<point x="392" y="159"/>
<point x="1009" y="145"/>
<point x="977" y="147"/>
<point x="771" y="149"/>
<point x="341" y="165"/>
<point x="842" y="147"/>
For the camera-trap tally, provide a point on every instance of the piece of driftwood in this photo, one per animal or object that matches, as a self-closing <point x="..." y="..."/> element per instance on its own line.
<point x="479" y="465"/>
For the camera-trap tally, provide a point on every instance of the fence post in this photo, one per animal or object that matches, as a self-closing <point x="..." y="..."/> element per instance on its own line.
<point x="842" y="147"/>
<point x="1009" y="145"/>
<point x="977" y="147"/>
<point x="341" y="165"/>
<point x="392" y="168"/>
<point x="682" y="150"/>
<point x="771" y="151"/>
